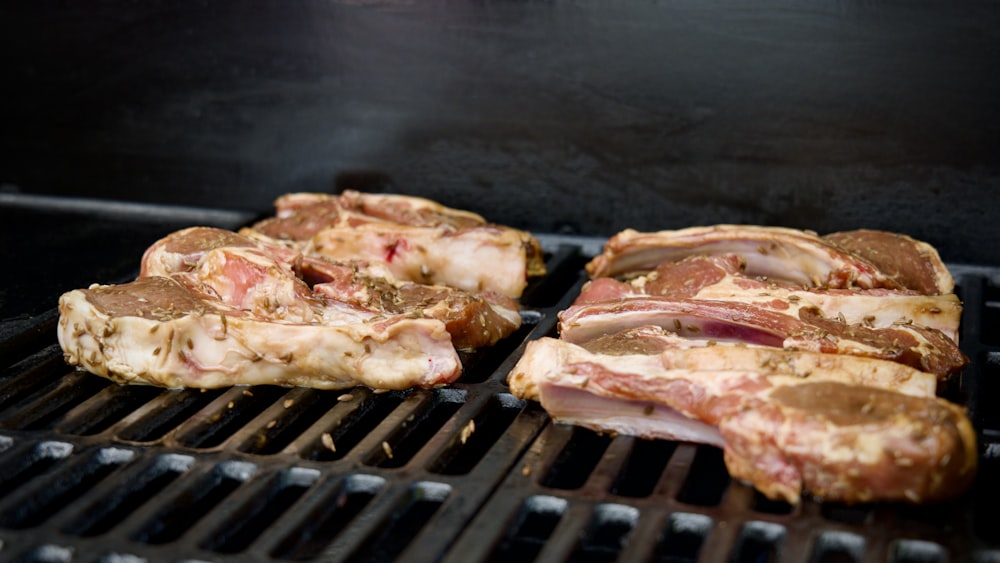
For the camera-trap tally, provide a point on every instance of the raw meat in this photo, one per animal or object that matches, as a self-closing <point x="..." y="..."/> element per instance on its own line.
<point x="416" y="239"/>
<point x="474" y="320"/>
<point x="214" y="308"/>
<point x="721" y="278"/>
<point x="158" y="331"/>
<point x="791" y="256"/>
<point x="823" y="432"/>
<point x="909" y="344"/>
<point x="909" y="262"/>
<point x="657" y="349"/>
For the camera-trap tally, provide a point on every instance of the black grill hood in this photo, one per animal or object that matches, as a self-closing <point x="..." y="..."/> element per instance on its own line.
<point x="553" y="116"/>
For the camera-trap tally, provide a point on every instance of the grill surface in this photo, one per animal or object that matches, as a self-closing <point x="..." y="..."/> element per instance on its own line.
<point x="93" y="471"/>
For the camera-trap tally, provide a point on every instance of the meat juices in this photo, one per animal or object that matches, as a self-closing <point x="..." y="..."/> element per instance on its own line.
<point x="812" y="361"/>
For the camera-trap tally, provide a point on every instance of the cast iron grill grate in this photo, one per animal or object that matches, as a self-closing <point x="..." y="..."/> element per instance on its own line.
<point x="93" y="471"/>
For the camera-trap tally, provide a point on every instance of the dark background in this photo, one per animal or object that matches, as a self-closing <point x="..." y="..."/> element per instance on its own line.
<point x="583" y="117"/>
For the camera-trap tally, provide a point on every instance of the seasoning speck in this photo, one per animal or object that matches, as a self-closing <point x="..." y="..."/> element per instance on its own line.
<point x="345" y="397"/>
<point x="467" y="431"/>
<point x="289" y="402"/>
<point x="327" y="440"/>
<point x="387" y="449"/>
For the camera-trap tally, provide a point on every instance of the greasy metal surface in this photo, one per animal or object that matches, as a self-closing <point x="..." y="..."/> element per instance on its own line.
<point x="93" y="471"/>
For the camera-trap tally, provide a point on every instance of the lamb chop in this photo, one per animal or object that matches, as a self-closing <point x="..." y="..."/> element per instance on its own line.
<point x="673" y="352"/>
<point x="783" y="255"/>
<point x="912" y="345"/>
<point x="474" y="320"/>
<point x="157" y="330"/>
<point x="416" y="239"/>
<point x="825" y="430"/>
<point x="721" y="277"/>
<point x="213" y="308"/>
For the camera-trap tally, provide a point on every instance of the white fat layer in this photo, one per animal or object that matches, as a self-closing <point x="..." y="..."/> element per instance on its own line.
<point x="880" y="310"/>
<point x="208" y="351"/>
<point x="550" y="360"/>
<point x="781" y="254"/>
<point x="473" y="260"/>
<point x="634" y="418"/>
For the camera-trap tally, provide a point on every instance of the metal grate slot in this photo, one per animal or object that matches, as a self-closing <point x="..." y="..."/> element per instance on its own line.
<point x="478" y="435"/>
<point x="288" y="418"/>
<point x="63" y="488"/>
<point x="167" y="411"/>
<point x="531" y="529"/>
<point x="986" y="500"/>
<point x="770" y="506"/>
<point x="707" y="479"/>
<point x="848" y="514"/>
<point x="917" y="551"/>
<point x="683" y="538"/>
<point x="412" y="515"/>
<point x="931" y="516"/>
<point x="478" y="366"/>
<point x="35" y="375"/>
<point x="223" y="418"/>
<point x="759" y="542"/>
<point x="577" y="459"/>
<point x="642" y="469"/>
<point x="106" y="408"/>
<point x="417" y="429"/>
<point x="606" y="534"/>
<point x="193" y="503"/>
<point x="259" y="512"/>
<point x="42" y="412"/>
<point x="989" y="386"/>
<point x="838" y="547"/>
<point x="32" y="464"/>
<point x="134" y="492"/>
<point x="352" y="421"/>
<point x="990" y="330"/>
<point x="564" y="271"/>
<point x="322" y="524"/>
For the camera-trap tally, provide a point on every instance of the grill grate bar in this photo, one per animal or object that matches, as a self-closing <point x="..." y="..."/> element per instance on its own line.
<point x="42" y="499"/>
<point x="426" y="413"/>
<point x="331" y="507"/>
<point x="29" y="461"/>
<point x="339" y="431"/>
<point x="413" y="513"/>
<point x="263" y="503"/>
<point x="163" y="414"/>
<point x="105" y="408"/>
<point x="136" y="486"/>
<point x="200" y="493"/>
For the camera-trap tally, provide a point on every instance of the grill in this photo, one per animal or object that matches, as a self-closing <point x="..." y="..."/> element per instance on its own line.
<point x="93" y="471"/>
